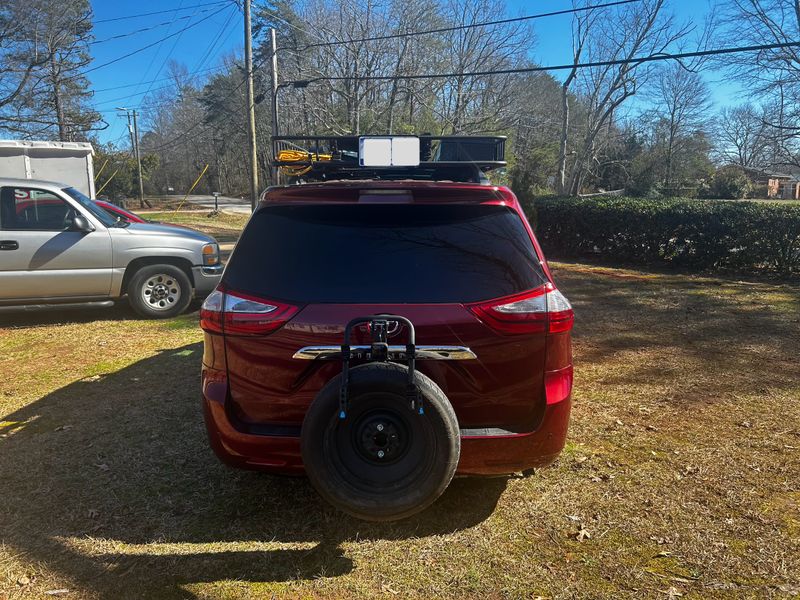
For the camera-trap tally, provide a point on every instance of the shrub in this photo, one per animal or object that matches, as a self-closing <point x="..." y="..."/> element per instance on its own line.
<point x="697" y="235"/>
<point x="728" y="182"/>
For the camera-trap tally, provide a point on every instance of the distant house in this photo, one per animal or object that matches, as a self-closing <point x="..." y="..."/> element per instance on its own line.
<point x="772" y="184"/>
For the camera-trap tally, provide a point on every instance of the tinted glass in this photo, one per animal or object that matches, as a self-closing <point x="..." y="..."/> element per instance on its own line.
<point x="384" y="253"/>
<point x="101" y="215"/>
<point x="28" y="208"/>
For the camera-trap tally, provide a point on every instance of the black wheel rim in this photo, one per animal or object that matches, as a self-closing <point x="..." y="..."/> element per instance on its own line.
<point x="381" y="436"/>
<point x="352" y="445"/>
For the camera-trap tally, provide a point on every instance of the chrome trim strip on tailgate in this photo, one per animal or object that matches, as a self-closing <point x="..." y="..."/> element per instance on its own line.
<point x="397" y="352"/>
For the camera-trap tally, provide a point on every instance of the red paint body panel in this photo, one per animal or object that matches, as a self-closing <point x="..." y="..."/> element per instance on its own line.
<point x="502" y="388"/>
<point x="119" y="212"/>
<point x="479" y="455"/>
<point x="252" y="381"/>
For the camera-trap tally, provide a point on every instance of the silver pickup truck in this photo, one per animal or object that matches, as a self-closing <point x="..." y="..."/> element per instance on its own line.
<point x="58" y="248"/>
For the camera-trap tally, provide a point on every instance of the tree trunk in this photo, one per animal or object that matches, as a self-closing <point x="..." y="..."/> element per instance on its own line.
<point x="63" y="129"/>
<point x="670" y="152"/>
<point x="668" y="174"/>
<point x="459" y="106"/>
<point x="356" y="101"/>
<point x="562" y="148"/>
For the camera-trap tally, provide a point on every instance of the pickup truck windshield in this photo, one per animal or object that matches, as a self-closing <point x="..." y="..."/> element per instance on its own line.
<point x="86" y="203"/>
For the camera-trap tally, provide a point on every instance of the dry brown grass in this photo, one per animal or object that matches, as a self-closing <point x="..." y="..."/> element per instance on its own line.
<point x="224" y="226"/>
<point x="682" y="466"/>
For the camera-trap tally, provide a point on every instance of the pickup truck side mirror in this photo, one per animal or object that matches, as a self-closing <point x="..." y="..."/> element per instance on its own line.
<point x="80" y="224"/>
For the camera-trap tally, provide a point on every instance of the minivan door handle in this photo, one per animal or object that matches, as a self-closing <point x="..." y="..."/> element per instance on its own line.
<point x="9" y="245"/>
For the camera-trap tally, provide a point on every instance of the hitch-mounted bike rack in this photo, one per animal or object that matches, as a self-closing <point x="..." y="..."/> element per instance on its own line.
<point x="379" y="329"/>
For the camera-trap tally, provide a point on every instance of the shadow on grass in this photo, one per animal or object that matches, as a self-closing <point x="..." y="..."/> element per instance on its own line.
<point x="111" y="484"/>
<point x="121" y="311"/>
<point x="723" y="331"/>
<point x="21" y="318"/>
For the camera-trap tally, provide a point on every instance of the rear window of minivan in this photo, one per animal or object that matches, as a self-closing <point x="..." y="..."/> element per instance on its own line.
<point x="384" y="253"/>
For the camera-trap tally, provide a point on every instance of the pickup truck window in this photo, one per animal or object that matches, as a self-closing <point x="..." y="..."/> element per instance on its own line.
<point x="32" y="209"/>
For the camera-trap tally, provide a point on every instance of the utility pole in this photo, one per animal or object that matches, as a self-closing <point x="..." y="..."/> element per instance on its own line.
<point x="138" y="161"/>
<point x="135" y="145"/>
<point x="251" y="106"/>
<point x="274" y="51"/>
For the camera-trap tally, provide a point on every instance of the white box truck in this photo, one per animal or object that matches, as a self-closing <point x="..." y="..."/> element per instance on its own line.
<point x="69" y="163"/>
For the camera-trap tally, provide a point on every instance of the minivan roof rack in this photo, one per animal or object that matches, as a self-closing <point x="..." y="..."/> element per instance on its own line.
<point x="458" y="158"/>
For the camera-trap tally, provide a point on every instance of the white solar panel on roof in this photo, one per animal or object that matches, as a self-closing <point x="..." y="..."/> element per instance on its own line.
<point x="388" y="151"/>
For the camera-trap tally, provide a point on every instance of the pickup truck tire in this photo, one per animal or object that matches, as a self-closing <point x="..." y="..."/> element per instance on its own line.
<point x="384" y="461"/>
<point x="159" y="291"/>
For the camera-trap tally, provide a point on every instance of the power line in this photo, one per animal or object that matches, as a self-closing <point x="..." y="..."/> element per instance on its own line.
<point x="150" y="83"/>
<point x="143" y="48"/>
<point x="221" y="39"/>
<point x="300" y="29"/>
<point x="639" y="60"/>
<point x="149" y="28"/>
<point x="146" y="72"/>
<point x="130" y="85"/>
<point x="209" y="126"/>
<point x="599" y="63"/>
<point x="161" y="12"/>
<point x="439" y="30"/>
<point x="173" y="141"/>
<point x="457" y="27"/>
<point x="192" y="76"/>
<point x="164" y="62"/>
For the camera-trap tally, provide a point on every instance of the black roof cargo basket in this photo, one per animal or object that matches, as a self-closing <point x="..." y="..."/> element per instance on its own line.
<point x="441" y="158"/>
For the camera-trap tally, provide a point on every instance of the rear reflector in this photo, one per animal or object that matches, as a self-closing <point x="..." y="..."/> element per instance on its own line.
<point x="540" y="310"/>
<point x="235" y="313"/>
<point x="558" y="385"/>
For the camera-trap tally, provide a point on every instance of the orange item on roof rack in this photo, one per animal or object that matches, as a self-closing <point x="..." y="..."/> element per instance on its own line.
<point x="299" y="156"/>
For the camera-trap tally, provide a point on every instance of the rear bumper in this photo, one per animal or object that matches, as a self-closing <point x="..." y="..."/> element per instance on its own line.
<point x="480" y="455"/>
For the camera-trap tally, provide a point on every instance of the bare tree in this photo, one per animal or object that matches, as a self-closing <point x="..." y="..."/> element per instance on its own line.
<point x="681" y="105"/>
<point x="743" y="136"/>
<point x="582" y="24"/>
<point x="772" y="76"/>
<point x="620" y="34"/>
<point x="473" y="104"/>
<point x="359" y="71"/>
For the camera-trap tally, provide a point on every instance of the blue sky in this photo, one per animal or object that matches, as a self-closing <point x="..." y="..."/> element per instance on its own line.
<point x="217" y="31"/>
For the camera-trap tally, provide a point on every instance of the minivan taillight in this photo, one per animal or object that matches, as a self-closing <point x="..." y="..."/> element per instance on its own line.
<point x="211" y="312"/>
<point x="234" y="313"/>
<point x="540" y="310"/>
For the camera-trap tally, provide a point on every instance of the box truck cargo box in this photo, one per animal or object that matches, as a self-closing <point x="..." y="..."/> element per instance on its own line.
<point x="68" y="163"/>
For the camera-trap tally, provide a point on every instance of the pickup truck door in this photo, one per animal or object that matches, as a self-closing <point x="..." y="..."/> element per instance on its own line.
<point x="40" y="258"/>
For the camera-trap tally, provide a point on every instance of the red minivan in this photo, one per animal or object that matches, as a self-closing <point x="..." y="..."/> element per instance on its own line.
<point x="446" y="274"/>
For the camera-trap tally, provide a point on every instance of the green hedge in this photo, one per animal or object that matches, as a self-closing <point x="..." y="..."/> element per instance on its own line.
<point x="693" y="234"/>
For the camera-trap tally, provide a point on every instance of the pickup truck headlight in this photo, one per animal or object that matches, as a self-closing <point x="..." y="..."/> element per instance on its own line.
<point x="210" y="255"/>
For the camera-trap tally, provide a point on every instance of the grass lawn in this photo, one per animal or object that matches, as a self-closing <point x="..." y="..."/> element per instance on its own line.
<point x="681" y="475"/>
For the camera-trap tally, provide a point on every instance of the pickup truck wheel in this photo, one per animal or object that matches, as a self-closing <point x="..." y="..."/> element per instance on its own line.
<point x="159" y="291"/>
<point x="383" y="461"/>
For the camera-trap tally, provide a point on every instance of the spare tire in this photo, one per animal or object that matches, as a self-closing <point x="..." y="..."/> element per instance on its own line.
<point x="383" y="461"/>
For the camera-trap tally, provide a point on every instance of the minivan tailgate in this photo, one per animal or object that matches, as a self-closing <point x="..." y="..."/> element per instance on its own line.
<point x="502" y="387"/>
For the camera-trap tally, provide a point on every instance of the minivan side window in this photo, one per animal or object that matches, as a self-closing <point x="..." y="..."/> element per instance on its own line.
<point x="31" y="209"/>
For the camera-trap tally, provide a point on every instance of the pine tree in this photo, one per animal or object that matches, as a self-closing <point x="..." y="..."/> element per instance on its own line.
<point x="53" y="102"/>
